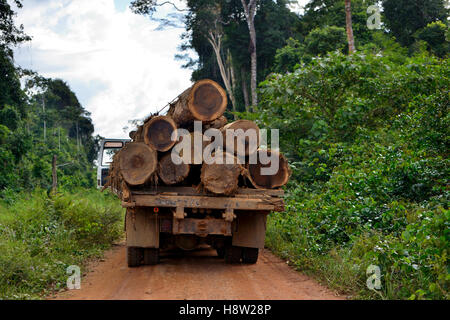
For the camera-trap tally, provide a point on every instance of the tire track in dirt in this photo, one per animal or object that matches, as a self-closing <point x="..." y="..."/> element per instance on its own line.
<point x="196" y="275"/>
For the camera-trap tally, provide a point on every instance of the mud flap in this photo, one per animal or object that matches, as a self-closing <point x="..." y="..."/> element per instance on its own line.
<point x="250" y="229"/>
<point x="142" y="228"/>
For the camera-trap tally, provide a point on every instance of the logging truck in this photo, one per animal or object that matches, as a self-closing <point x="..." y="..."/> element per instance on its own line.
<point x="195" y="201"/>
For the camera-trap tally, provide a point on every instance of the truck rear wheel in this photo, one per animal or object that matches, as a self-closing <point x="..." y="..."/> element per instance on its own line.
<point x="220" y="252"/>
<point x="250" y="255"/>
<point x="134" y="256"/>
<point x="233" y="254"/>
<point x="151" y="256"/>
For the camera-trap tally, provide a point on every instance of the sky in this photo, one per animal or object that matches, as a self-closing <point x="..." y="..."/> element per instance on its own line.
<point x="119" y="66"/>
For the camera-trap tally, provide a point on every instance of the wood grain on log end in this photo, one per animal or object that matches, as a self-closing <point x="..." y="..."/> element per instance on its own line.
<point x="249" y="129"/>
<point x="277" y="180"/>
<point x="158" y="133"/>
<point x="221" y="178"/>
<point x="171" y="173"/>
<point x="137" y="162"/>
<point x="207" y="100"/>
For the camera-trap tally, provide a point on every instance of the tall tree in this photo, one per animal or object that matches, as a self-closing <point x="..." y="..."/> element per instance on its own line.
<point x="250" y="13"/>
<point x="405" y="17"/>
<point x="10" y="36"/>
<point x="10" y="33"/>
<point x="349" y="27"/>
<point x="205" y="18"/>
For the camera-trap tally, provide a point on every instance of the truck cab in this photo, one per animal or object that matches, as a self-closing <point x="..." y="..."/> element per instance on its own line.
<point x="108" y="148"/>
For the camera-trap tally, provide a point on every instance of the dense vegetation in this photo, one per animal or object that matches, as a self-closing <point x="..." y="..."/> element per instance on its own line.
<point x="366" y="134"/>
<point x="38" y="120"/>
<point x="41" y="236"/>
<point x="370" y="162"/>
<point x="42" y="233"/>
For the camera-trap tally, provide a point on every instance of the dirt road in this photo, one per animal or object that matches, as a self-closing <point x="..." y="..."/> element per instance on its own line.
<point x="198" y="275"/>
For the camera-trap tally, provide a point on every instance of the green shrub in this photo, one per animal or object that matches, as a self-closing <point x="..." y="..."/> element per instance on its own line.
<point x="367" y="136"/>
<point x="41" y="236"/>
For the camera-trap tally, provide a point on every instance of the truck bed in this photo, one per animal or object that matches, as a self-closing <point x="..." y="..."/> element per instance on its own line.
<point x="189" y="197"/>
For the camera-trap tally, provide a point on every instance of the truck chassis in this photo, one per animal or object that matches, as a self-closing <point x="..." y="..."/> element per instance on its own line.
<point x="184" y="217"/>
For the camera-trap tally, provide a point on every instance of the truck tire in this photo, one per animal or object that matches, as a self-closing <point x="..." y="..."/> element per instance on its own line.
<point x="220" y="252"/>
<point x="151" y="257"/>
<point x="233" y="254"/>
<point x="134" y="257"/>
<point x="250" y="255"/>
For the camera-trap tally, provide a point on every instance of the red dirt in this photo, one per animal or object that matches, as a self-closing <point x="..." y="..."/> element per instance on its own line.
<point x="197" y="275"/>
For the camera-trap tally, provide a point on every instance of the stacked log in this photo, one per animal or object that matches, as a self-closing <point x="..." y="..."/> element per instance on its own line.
<point x="149" y="157"/>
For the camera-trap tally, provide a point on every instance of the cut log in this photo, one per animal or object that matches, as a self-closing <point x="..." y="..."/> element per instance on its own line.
<point x="196" y="152"/>
<point x="247" y="139"/>
<point x="263" y="181"/>
<point x="171" y="173"/>
<point x="222" y="178"/>
<point x="132" y="134"/>
<point x="158" y="133"/>
<point x="216" y="124"/>
<point x="206" y="100"/>
<point x="137" y="162"/>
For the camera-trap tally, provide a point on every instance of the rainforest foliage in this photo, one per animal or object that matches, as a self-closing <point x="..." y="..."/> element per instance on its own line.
<point x="42" y="233"/>
<point x="39" y="118"/>
<point x="366" y="135"/>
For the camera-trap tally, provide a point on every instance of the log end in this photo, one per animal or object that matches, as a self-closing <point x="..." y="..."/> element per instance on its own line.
<point x="171" y="173"/>
<point x="137" y="163"/>
<point x="223" y="178"/>
<point x="269" y="181"/>
<point x="245" y="137"/>
<point x="207" y="100"/>
<point x="158" y="133"/>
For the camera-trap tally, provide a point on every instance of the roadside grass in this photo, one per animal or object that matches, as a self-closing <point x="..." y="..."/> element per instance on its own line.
<point x="40" y="236"/>
<point x="413" y="262"/>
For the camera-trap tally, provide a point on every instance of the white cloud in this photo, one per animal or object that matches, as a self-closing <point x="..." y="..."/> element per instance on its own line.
<point x="298" y="6"/>
<point x="119" y="67"/>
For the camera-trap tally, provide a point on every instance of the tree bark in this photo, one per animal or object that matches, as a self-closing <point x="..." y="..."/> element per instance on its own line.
<point x="349" y="27"/>
<point x="233" y="82"/>
<point x="250" y="13"/>
<point x="245" y="90"/>
<point x="260" y="181"/>
<point x="215" y="40"/>
<point x="206" y="100"/>
<point x="216" y="124"/>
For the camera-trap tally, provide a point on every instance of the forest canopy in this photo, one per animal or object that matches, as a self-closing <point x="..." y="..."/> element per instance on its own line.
<point x="41" y="119"/>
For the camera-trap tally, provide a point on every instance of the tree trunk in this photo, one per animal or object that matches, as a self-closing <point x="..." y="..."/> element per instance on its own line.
<point x="222" y="178"/>
<point x="205" y="101"/>
<point x="233" y="82"/>
<point x="171" y="173"/>
<point x="253" y="82"/>
<point x="216" y="124"/>
<point x="196" y="156"/>
<point x="137" y="162"/>
<point x="245" y="90"/>
<point x="260" y="181"/>
<point x="54" y="175"/>
<point x="158" y="133"/>
<point x="242" y="145"/>
<point x="225" y="70"/>
<point x="250" y="13"/>
<point x="349" y="27"/>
